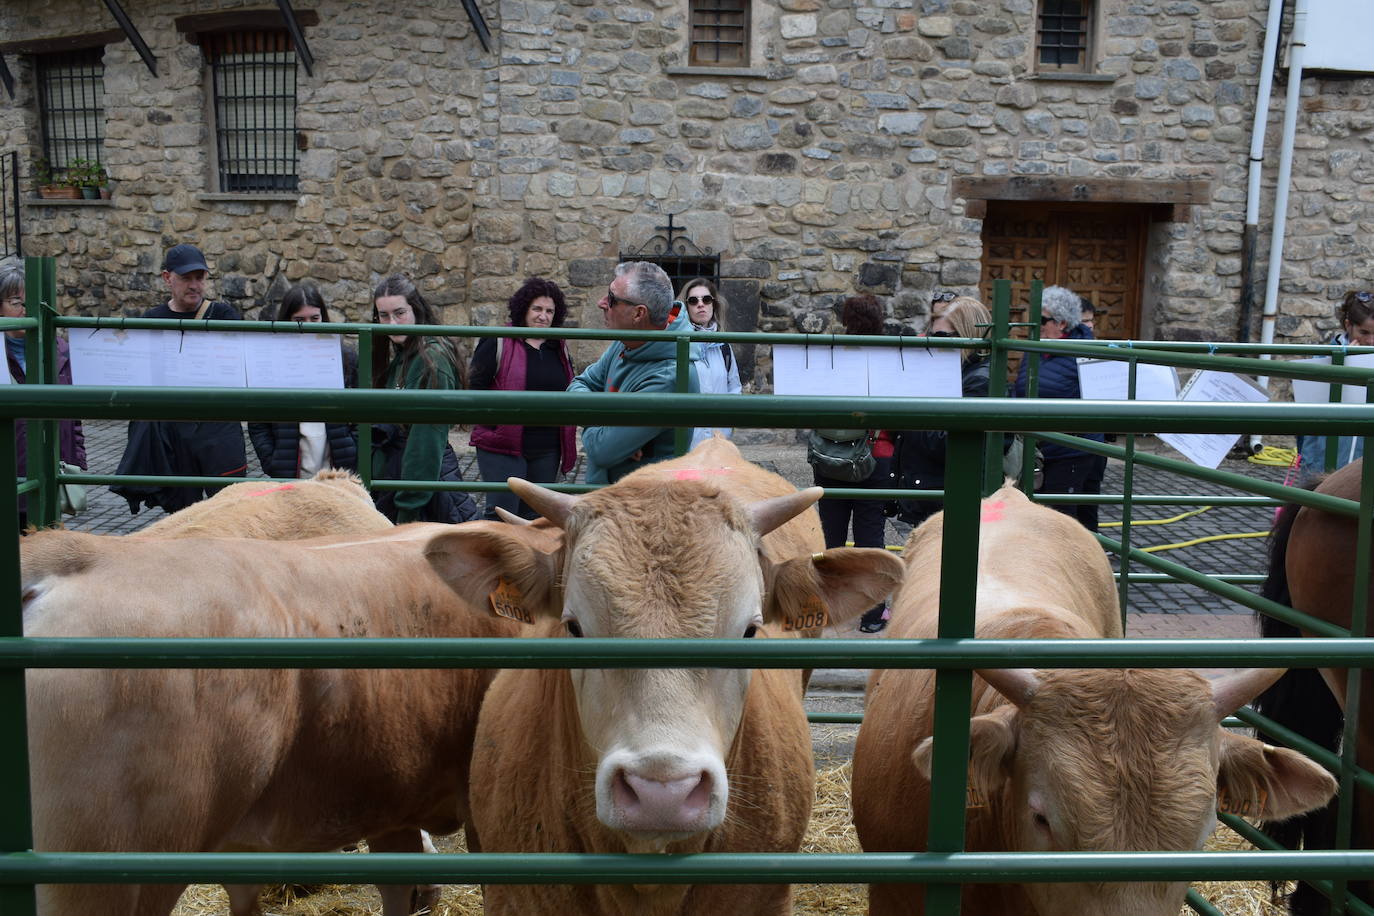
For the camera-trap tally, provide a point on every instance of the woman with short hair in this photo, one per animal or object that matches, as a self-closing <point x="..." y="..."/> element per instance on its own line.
<point x="1356" y="315"/>
<point x="526" y="362"/>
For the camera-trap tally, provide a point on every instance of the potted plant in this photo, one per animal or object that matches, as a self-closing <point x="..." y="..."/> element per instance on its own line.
<point x="53" y="184"/>
<point x="85" y="175"/>
<point x="103" y="182"/>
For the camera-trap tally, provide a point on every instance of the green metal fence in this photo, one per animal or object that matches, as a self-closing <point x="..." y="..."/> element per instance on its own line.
<point x="973" y="428"/>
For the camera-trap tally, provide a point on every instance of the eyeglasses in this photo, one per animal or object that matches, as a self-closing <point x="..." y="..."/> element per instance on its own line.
<point x="704" y="300"/>
<point x="1045" y="319"/>
<point x="612" y="300"/>
<point x="941" y="334"/>
<point x="13" y="302"/>
<point x="943" y="296"/>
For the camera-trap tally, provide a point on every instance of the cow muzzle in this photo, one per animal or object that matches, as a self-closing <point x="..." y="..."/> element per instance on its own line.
<point x="667" y="800"/>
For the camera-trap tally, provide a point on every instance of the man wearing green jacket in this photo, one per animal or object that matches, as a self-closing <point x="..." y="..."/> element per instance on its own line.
<point x="640" y="299"/>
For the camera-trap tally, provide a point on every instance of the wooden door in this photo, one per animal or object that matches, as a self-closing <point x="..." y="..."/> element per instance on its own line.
<point x="1096" y="250"/>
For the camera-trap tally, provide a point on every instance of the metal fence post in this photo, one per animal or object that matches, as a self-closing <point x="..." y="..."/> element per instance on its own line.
<point x="16" y="824"/>
<point x="40" y="360"/>
<point x="365" y="429"/>
<point x="954" y="688"/>
<point x="682" y="435"/>
<point x="994" y="443"/>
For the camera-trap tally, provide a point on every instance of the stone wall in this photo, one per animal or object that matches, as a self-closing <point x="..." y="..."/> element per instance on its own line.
<point x="823" y="168"/>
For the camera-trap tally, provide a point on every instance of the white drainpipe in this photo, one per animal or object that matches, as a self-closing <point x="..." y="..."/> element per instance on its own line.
<point x="1296" y="47"/>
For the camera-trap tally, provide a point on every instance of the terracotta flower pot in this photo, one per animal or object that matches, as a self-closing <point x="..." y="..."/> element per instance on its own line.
<point x="59" y="192"/>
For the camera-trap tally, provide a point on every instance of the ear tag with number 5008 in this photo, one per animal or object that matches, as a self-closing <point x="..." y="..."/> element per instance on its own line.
<point x="506" y="601"/>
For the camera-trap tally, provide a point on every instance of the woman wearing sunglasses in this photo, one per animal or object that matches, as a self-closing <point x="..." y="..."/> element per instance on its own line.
<point x="1356" y="314"/>
<point x="717" y="371"/>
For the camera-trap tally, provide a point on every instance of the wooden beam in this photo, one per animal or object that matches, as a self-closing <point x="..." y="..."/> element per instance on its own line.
<point x="238" y="19"/>
<point x="974" y="208"/>
<point x="62" y="42"/>
<point x="1084" y="190"/>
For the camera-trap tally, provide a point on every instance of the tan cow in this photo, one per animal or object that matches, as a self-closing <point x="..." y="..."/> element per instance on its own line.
<point x="654" y="760"/>
<point x="243" y="760"/>
<point x="331" y="502"/>
<point x="1094" y="760"/>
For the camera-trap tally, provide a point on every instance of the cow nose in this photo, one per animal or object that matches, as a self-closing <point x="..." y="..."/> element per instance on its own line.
<point x="674" y="805"/>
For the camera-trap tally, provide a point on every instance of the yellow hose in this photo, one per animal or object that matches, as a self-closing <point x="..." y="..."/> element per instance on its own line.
<point x="1274" y="457"/>
<point x="1204" y="540"/>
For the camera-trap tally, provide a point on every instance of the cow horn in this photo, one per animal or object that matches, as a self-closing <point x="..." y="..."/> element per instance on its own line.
<point x="1233" y="691"/>
<point x="1016" y="684"/>
<point x="552" y="505"/>
<point x="510" y="518"/>
<point x="768" y="514"/>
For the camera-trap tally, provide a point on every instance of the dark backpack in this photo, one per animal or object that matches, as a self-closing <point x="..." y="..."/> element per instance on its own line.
<point x="841" y="454"/>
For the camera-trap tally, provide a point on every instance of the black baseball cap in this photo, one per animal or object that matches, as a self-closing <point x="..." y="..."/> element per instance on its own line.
<point x="182" y="259"/>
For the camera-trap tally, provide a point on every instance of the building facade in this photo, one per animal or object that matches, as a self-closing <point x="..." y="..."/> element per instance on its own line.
<point x="804" y="150"/>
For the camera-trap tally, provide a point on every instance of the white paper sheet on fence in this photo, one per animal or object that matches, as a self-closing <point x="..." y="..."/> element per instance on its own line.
<point x="203" y="359"/>
<point x="914" y="372"/>
<point x="1208" y="449"/>
<point x="1108" y="380"/>
<point x="1309" y="392"/>
<point x="294" y="360"/>
<point x="114" y="358"/>
<point x="820" y="369"/>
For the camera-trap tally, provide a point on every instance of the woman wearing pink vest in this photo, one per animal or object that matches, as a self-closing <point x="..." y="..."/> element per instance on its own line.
<point x="536" y="453"/>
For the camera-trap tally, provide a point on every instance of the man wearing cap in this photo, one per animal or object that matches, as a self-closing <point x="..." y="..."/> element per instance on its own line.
<point x="190" y="449"/>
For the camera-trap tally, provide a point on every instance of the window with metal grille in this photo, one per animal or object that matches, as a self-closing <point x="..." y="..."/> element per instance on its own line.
<point x="71" y="106"/>
<point x="720" y="33"/>
<point x="253" y="78"/>
<point x="1063" y="33"/>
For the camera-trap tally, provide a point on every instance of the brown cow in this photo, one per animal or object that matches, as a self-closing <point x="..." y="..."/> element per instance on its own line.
<point x="654" y="760"/>
<point x="1092" y="760"/>
<point x="331" y="502"/>
<point x="243" y="760"/>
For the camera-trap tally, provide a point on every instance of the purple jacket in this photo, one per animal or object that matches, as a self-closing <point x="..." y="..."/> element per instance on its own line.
<point x="71" y="441"/>
<point x="510" y="376"/>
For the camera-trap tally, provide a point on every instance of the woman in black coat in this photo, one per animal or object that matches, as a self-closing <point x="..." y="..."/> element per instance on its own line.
<point x="298" y="450"/>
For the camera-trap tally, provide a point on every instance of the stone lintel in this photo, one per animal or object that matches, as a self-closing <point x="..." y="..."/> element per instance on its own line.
<point x="249" y="197"/>
<point x="1069" y="76"/>
<point x="1084" y="190"/>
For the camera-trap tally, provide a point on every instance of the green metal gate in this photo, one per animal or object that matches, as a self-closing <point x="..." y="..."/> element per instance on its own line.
<point x="972" y="426"/>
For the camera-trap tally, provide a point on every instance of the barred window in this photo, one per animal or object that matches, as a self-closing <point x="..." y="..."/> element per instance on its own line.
<point x="253" y="77"/>
<point x="720" y="33"/>
<point x="1063" y="33"/>
<point x="71" y="105"/>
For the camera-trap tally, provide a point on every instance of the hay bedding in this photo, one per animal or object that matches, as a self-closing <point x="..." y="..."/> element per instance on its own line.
<point x="830" y="830"/>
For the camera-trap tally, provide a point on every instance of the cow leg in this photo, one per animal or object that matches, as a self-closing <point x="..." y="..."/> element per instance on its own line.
<point x="108" y="899"/>
<point x="243" y="899"/>
<point x="404" y="899"/>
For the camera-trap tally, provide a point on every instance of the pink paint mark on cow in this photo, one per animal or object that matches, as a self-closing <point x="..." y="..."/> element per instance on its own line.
<point x="698" y="473"/>
<point x="992" y="512"/>
<point x="285" y="486"/>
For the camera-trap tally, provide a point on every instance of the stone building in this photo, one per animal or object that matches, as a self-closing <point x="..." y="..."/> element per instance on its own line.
<point x="806" y="148"/>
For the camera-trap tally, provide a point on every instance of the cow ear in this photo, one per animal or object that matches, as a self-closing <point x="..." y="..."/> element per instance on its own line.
<point x="1255" y="779"/>
<point x="992" y="750"/>
<point x="831" y="587"/>
<point x="508" y="569"/>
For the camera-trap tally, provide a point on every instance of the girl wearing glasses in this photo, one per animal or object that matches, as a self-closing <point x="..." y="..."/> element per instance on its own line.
<point x="717" y="371"/>
<point x="420" y="451"/>
<point x="1356" y="314"/>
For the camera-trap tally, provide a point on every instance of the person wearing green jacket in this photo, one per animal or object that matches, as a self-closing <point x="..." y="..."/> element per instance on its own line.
<point x="420" y="451"/>
<point x="640" y="299"/>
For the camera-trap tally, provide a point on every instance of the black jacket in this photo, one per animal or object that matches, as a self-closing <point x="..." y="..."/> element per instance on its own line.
<point x="279" y="447"/>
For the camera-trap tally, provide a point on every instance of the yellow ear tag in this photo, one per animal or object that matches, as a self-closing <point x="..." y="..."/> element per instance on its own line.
<point x="1253" y="807"/>
<point x="811" y="616"/>
<point x="974" y="798"/>
<point x="506" y="601"/>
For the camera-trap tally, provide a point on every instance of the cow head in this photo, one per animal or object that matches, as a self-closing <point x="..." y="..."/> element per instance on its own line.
<point x="1126" y="760"/>
<point x="644" y="559"/>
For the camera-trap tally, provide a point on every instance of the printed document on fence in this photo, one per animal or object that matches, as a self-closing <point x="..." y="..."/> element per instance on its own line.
<point x="1109" y="380"/>
<point x="1309" y="392"/>
<point x="1207" y="449"/>
<point x="204" y="359"/>
<point x="912" y="372"/>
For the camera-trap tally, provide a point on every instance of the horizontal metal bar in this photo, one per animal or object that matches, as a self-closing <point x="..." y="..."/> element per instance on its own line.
<point x="701" y="868"/>
<point x="1308" y="748"/>
<point x="30" y="652"/>
<point x="1261" y="840"/>
<point x="1350" y="375"/>
<point x="657" y="409"/>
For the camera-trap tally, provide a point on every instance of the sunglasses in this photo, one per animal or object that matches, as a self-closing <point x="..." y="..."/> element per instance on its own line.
<point x="704" y="300"/>
<point x="612" y="300"/>
<point x="945" y="296"/>
<point x="1363" y="296"/>
<point x="941" y="333"/>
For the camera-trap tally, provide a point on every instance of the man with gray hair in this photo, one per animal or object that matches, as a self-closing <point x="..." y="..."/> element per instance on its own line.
<point x="640" y="299"/>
